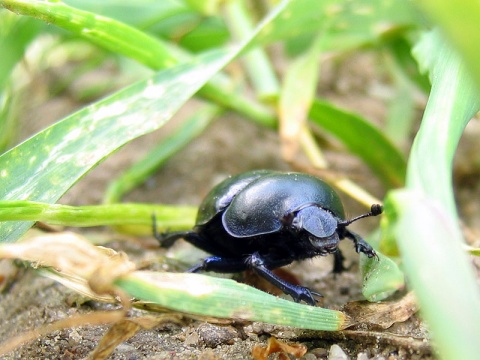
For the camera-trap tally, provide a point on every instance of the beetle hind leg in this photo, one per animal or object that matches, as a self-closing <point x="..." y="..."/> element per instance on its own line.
<point x="168" y="239"/>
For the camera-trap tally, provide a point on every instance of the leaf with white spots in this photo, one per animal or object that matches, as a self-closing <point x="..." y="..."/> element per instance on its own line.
<point x="44" y="167"/>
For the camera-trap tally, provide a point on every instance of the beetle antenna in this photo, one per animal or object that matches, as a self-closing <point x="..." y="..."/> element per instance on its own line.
<point x="375" y="210"/>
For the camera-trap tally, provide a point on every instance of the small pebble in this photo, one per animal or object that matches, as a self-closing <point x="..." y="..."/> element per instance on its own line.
<point x="336" y="353"/>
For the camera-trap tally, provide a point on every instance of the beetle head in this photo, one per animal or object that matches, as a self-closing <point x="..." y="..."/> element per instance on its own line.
<point x="321" y="226"/>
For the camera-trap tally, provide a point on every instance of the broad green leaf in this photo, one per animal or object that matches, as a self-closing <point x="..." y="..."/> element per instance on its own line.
<point x="438" y="271"/>
<point x="453" y="101"/>
<point x="45" y="166"/>
<point x="423" y="218"/>
<point x="362" y="139"/>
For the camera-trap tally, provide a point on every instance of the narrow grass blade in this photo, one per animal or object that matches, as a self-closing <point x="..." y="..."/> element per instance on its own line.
<point x="15" y="34"/>
<point x="143" y="169"/>
<point x="362" y="139"/>
<point x="256" y="62"/>
<point x="225" y="298"/>
<point x="296" y="97"/>
<point x="105" y="32"/>
<point x="167" y="217"/>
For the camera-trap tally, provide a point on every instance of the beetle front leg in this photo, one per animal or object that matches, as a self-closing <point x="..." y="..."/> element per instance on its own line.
<point x="361" y="246"/>
<point x="298" y="293"/>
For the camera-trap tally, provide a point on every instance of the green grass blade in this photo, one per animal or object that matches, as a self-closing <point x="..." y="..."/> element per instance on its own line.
<point x="296" y="97"/>
<point x="105" y="32"/>
<point x="225" y="298"/>
<point x="143" y="169"/>
<point x="141" y="13"/>
<point x="256" y="62"/>
<point x="82" y="263"/>
<point x="362" y="139"/>
<point x="15" y="35"/>
<point x="168" y="217"/>
<point x="452" y="103"/>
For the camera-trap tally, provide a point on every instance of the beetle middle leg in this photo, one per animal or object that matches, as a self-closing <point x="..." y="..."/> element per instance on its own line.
<point x="220" y="264"/>
<point x="298" y="293"/>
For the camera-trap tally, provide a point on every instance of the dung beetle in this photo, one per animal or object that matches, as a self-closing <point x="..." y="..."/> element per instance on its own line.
<point x="262" y="220"/>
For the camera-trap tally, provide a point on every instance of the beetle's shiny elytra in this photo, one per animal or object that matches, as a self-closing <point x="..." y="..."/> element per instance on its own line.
<point x="263" y="219"/>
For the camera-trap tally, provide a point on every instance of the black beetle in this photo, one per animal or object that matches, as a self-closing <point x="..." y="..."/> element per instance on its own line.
<point x="262" y="220"/>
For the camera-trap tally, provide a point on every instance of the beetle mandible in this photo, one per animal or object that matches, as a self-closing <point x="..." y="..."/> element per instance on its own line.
<point x="263" y="219"/>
